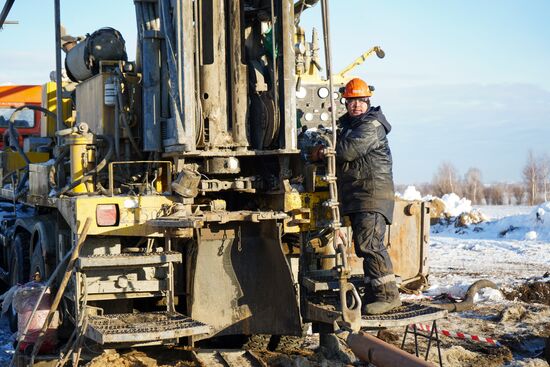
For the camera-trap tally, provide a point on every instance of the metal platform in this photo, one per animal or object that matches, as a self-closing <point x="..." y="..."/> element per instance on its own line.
<point x="143" y="327"/>
<point x="408" y="313"/>
<point x="128" y="259"/>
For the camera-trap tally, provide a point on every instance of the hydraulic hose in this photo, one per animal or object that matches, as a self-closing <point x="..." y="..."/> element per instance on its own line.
<point x="125" y="124"/>
<point x="14" y="143"/>
<point x="58" y="160"/>
<point x="96" y="170"/>
<point x="468" y="301"/>
<point x="12" y="130"/>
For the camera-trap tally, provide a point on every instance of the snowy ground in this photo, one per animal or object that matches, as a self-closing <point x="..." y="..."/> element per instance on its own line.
<point x="511" y="249"/>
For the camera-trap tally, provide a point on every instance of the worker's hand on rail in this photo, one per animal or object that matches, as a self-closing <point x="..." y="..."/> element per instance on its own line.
<point x="317" y="153"/>
<point x="341" y="237"/>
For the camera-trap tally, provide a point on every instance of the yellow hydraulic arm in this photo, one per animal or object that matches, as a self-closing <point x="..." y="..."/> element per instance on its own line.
<point x="358" y="61"/>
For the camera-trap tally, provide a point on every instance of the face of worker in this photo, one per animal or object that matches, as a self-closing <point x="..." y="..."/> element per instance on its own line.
<point x="357" y="106"/>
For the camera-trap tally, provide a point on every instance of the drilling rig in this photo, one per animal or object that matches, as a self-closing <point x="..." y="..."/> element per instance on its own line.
<point x="205" y="217"/>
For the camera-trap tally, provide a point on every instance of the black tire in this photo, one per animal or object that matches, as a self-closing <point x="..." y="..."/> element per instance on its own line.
<point x="19" y="259"/>
<point x="18" y="270"/>
<point x="547" y="349"/>
<point x="38" y="264"/>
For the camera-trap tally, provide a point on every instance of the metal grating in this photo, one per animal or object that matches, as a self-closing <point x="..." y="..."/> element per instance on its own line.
<point x="128" y="259"/>
<point x="408" y="313"/>
<point x="142" y="327"/>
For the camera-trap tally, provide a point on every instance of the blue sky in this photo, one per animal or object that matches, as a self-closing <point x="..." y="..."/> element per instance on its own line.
<point x="463" y="81"/>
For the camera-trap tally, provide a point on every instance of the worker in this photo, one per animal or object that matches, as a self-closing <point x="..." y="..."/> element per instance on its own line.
<point x="366" y="191"/>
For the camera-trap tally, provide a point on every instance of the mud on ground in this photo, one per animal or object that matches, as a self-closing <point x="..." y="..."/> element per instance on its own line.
<point x="535" y="292"/>
<point x="521" y="323"/>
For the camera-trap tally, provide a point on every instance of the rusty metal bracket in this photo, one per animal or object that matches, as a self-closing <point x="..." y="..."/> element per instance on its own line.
<point x="168" y="173"/>
<point x="351" y="313"/>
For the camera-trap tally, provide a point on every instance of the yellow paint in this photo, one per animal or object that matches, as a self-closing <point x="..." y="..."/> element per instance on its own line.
<point x="319" y="214"/>
<point x="292" y="201"/>
<point x="79" y="155"/>
<point x="12" y="161"/>
<point x="134" y="213"/>
<point x="49" y="101"/>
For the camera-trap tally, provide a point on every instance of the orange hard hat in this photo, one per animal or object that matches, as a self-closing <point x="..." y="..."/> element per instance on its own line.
<point x="357" y="88"/>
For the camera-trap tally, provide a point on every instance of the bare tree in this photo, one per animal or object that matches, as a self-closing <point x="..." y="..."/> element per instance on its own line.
<point x="472" y="185"/>
<point x="530" y="177"/>
<point x="494" y="194"/>
<point x="518" y="192"/>
<point x="497" y="194"/>
<point x="544" y="176"/>
<point x="425" y="188"/>
<point x="446" y="180"/>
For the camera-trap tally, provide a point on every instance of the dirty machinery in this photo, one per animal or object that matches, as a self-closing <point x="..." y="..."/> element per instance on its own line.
<point x="204" y="218"/>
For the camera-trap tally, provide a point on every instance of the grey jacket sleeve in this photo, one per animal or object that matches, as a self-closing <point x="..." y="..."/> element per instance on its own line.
<point x="358" y="141"/>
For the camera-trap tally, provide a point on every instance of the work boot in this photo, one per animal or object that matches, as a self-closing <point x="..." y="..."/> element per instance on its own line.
<point x="369" y="296"/>
<point x="387" y="298"/>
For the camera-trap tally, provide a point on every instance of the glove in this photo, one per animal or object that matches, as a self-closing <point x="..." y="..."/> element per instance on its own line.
<point x="317" y="153"/>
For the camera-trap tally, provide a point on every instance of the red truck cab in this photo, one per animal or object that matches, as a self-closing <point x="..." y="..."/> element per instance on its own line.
<point x="28" y="121"/>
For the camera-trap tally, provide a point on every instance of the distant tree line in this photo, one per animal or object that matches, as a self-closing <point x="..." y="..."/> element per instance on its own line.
<point x="533" y="190"/>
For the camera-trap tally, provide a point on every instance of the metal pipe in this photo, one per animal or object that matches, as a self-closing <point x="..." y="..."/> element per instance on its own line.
<point x="5" y="11"/>
<point x="330" y="155"/>
<point x="58" y="98"/>
<point x="373" y="350"/>
<point x="238" y="80"/>
<point x="118" y="108"/>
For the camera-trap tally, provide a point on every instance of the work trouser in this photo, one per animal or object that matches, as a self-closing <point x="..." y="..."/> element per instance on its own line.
<point x="368" y="236"/>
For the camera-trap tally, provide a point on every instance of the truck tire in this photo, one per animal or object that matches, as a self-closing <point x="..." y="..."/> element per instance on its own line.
<point x="38" y="264"/>
<point x="547" y="349"/>
<point x="19" y="269"/>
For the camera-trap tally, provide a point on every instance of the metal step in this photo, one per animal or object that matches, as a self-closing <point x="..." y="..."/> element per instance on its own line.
<point x="327" y="283"/>
<point x="137" y="328"/>
<point x="408" y="313"/>
<point x="130" y="259"/>
<point x="228" y="358"/>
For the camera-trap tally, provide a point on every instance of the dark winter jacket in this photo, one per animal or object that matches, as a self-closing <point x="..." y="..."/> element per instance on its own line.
<point x="364" y="162"/>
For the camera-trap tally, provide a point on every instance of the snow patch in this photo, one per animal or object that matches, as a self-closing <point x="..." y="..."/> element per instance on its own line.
<point x="454" y="205"/>
<point x="531" y="236"/>
<point x="533" y="226"/>
<point x="488" y="295"/>
<point x="410" y="194"/>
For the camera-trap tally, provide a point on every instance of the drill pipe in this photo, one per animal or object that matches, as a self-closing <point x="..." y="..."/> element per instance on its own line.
<point x="373" y="350"/>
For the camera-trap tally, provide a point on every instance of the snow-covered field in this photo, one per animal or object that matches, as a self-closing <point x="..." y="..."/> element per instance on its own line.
<point x="511" y="248"/>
